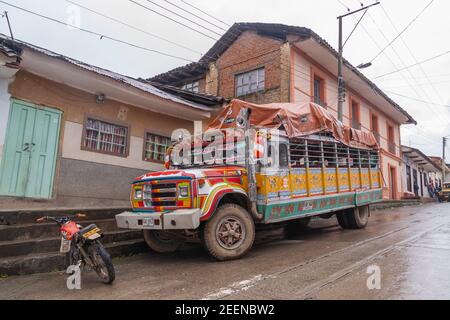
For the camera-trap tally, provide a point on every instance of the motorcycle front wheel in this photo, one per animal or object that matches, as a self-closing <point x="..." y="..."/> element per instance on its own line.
<point x="102" y="263"/>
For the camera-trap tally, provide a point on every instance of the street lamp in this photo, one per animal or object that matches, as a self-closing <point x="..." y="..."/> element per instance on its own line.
<point x="364" y="65"/>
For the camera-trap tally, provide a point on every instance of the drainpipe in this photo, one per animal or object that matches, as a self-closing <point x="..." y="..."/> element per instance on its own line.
<point x="250" y="165"/>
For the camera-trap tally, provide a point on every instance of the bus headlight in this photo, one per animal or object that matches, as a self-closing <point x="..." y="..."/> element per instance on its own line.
<point x="183" y="191"/>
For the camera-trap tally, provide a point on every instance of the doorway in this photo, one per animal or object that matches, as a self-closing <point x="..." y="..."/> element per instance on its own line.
<point x="29" y="158"/>
<point x="393" y="182"/>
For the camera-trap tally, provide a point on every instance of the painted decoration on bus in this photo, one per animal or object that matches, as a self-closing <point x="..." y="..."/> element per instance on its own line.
<point x="354" y="177"/>
<point x="343" y="180"/>
<point x="298" y="178"/>
<point x="315" y="181"/>
<point x="365" y="177"/>
<point x="331" y="181"/>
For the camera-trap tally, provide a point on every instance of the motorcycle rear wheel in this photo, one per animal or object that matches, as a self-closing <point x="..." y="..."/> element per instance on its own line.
<point x="102" y="263"/>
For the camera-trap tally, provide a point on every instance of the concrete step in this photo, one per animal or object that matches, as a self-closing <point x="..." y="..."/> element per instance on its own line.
<point x="46" y="230"/>
<point x="47" y="262"/>
<point x="395" y="204"/>
<point x="8" y="217"/>
<point x="48" y="245"/>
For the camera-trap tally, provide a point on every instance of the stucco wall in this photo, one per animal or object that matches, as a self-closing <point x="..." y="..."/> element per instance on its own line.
<point x="86" y="174"/>
<point x="302" y="72"/>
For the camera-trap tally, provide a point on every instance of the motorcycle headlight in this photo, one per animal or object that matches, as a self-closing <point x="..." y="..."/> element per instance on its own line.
<point x="183" y="192"/>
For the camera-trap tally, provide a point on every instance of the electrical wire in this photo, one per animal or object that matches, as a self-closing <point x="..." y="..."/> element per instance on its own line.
<point x="409" y="50"/>
<point x="195" y="15"/>
<point x="205" y="13"/>
<point x="102" y="36"/>
<point x="133" y="27"/>
<point x="413" y="65"/>
<point x="173" y="20"/>
<point x="418" y="100"/>
<point x="403" y="31"/>
<point x="182" y="17"/>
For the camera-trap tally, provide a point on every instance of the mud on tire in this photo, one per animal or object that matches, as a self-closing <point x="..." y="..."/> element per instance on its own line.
<point x="230" y="233"/>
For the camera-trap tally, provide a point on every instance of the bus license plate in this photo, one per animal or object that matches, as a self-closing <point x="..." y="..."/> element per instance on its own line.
<point x="148" y="222"/>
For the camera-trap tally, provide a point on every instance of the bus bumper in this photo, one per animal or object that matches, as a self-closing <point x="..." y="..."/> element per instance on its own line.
<point x="186" y="219"/>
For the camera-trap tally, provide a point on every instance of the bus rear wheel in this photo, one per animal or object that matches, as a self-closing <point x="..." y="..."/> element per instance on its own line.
<point x="355" y="218"/>
<point x="230" y="233"/>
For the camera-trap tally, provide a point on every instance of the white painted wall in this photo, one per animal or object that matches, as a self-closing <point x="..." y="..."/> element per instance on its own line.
<point x="72" y="150"/>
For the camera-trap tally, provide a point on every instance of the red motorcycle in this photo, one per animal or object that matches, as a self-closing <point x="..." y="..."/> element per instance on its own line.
<point x="82" y="246"/>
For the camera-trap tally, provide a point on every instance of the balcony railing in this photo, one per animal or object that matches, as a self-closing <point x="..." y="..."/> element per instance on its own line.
<point x="392" y="148"/>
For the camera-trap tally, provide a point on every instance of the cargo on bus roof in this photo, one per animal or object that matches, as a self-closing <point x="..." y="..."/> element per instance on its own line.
<point x="298" y="120"/>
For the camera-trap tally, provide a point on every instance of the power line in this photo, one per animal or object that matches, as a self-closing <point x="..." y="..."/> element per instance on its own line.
<point x="423" y="84"/>
<point x="410" y="51"/>
<point x="427" y="97"/>
<point x="205" y="13"/>
<point x="102" y="36"/>
<point x="419" y="78"/>
<point x="389" y="58"/>
<point x="195" y="15"/>
<point x="406" y="28"/>
<point x="173" y="20"/>
<point x="133" y="27"/>
<point x="413" y="65"/>
<point x="182" y="17"/>
<point x="418" y="100"/>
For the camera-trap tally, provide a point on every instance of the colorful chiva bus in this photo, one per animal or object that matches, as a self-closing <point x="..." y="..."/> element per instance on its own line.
<point x="220" y="205"/>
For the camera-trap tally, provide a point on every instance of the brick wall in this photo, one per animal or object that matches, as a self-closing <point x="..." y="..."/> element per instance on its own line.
<point x="251" y="51"/>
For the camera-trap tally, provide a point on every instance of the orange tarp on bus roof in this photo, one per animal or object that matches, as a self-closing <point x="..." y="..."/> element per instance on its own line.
<point x="298" y="120"/>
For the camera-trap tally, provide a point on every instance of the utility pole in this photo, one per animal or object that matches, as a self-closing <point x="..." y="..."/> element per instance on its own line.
<point x="341" y="83"/>
<point x="444" y="145"/>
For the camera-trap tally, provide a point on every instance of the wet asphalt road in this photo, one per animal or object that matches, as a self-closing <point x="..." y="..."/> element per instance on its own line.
<point x="410" y="246"/>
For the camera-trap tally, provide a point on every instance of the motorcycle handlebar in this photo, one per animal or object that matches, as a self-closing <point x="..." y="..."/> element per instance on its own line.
<point x="61" y="219"/>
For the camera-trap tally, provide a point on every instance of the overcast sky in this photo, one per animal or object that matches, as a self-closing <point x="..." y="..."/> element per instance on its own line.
<point x="427" y="37"/>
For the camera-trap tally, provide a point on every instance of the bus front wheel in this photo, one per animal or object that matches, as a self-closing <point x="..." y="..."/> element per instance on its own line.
<point x="355" y="218"/>
<point x="230" y="233"/>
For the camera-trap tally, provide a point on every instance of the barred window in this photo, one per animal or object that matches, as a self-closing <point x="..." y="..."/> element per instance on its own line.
<point x="250" y="82"/>
<point x="106" y="137"/>
<point x="155" y="147"/>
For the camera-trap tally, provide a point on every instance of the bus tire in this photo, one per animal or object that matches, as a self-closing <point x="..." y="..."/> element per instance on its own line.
<point x="342" y="219"/>
<point x="358" y="218"/>
<point x="162" y="242"/>
<point x="230" y="233"/>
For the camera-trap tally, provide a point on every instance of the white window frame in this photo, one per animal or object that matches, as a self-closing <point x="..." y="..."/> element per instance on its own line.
<point x="157" y="146"/>
<point x="192" y="86"/>
<point x="105" y="137"/>
<point x="250" y="82"/>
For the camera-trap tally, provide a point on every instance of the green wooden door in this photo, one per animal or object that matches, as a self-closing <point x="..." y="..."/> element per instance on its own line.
<point x="28" y="162"/>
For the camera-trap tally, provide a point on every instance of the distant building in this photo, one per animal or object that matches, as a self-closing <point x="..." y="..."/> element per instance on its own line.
<point x="439" y="178"/>
<point x="419" y="173"/>
<point x="265" y="63"/>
